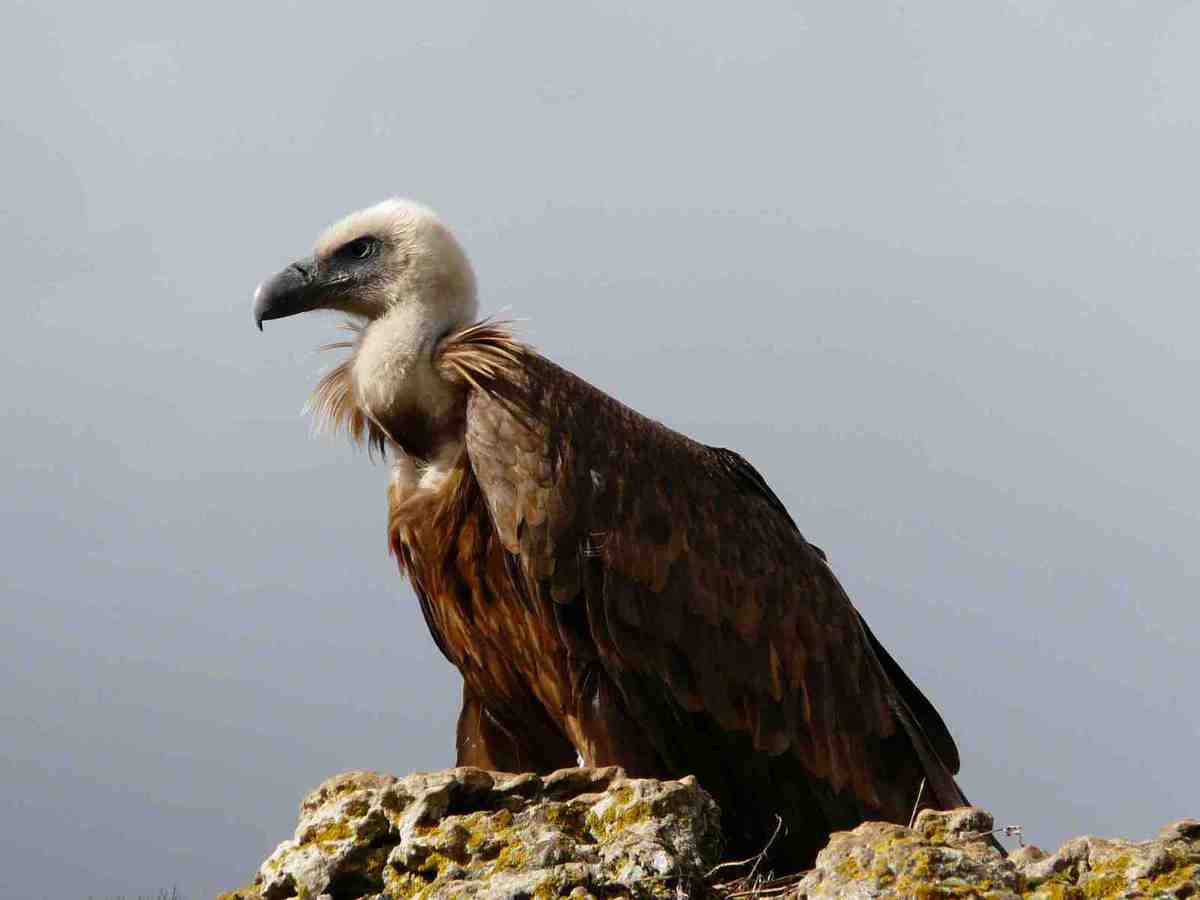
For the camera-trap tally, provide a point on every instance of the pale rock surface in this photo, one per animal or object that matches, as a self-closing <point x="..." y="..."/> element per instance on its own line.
<point x="947" y="852"/>
<point x="469" y="833"/>
<point x="944" y="855"/>
<point x="1086" y="867"/>
<point x="594" y="833"/>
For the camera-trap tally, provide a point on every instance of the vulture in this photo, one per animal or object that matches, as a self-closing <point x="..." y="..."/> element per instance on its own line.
<point x="612" y="591"/>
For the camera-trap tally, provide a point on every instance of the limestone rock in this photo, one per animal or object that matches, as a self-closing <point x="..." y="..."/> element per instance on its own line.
<point x="1086" y="867"/>
<point x="944" y="856"/>
<point x="469" y="833"/>
<point x="594" y="833"/>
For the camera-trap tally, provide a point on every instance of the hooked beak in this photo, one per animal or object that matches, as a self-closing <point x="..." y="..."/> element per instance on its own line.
<point x="292" y="291"/>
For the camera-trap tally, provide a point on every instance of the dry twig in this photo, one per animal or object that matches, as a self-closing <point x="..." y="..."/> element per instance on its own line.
<point x="917" y="804"/>
<point x="753" y="885"/>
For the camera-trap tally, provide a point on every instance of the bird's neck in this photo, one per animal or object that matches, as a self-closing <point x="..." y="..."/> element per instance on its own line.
<point x="397" y="382"/>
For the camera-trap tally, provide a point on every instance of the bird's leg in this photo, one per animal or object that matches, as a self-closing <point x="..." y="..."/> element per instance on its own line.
<point x="607" y="734"/>
<point x="485" y="741"/>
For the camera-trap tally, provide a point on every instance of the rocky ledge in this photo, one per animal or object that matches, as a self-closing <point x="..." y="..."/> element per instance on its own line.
<point x="595" y="833"/>
<point x="469" y="833"/>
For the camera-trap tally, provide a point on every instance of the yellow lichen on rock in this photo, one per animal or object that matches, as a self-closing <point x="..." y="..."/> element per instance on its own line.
<point x="947" y="854"/>
<point x="249" y="892"/>
<point x="465" y="832"/>
<point x="327" y="835"/>
<point x="586" y="833"/>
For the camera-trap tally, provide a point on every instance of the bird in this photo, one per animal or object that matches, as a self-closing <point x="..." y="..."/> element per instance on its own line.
<point x="613" y="592"/>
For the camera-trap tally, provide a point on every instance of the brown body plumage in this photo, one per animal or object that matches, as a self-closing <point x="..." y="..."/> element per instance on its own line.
<point x="613" y="591"/>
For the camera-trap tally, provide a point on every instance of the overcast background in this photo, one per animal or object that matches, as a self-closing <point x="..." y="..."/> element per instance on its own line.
<point x="931" y="266"/>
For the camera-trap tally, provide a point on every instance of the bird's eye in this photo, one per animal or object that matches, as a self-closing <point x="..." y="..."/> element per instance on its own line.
<point x="359" y="249"/>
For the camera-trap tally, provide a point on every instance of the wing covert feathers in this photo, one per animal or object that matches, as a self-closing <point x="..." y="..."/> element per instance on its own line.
<point x="705" y="598"/>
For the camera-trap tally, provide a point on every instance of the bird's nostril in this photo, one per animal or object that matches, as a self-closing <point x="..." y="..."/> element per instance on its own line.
<point x="305" y="270"/>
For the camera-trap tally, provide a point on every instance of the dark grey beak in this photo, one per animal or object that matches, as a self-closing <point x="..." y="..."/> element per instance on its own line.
<point x="292" y="291"/>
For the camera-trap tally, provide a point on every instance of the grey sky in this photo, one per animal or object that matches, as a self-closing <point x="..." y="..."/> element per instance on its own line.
<point x="931" y="266"/>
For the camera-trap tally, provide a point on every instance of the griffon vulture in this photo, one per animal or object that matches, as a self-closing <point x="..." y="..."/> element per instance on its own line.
<point x="611" y="590"/>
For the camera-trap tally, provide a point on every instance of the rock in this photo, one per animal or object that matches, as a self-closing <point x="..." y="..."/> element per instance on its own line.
<point x="1087" y="867"/>
<point x="468" y="833"/>
<point x="588" y="834"/>
<point x="943" y="856"/>
<point x="946" y="854"/>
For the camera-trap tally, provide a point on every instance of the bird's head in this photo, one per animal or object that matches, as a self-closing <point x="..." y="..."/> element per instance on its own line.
<point x="399" y="272"/>
<point x="372" y="262"/>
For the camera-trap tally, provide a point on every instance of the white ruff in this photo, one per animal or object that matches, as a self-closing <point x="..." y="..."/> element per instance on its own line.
<point x="393" y="369"/>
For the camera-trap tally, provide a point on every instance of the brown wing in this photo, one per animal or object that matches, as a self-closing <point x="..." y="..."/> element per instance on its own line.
<point x="710" y="612"/>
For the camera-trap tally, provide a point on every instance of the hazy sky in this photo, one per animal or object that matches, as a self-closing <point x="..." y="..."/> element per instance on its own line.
<point x="931" y="266"/>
